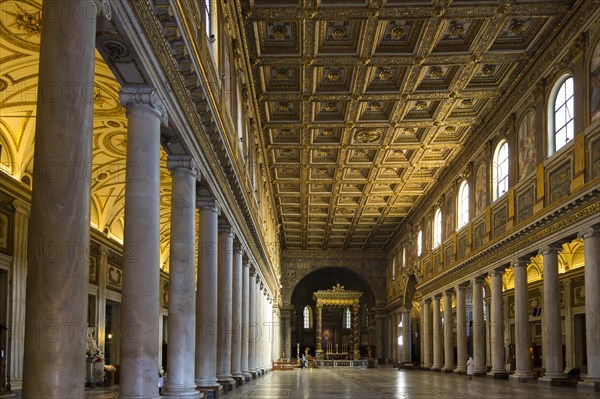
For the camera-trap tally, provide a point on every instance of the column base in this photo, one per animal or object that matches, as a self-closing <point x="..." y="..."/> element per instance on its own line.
<point x="499" y="375"/>
<point x="460" y="371"/>
<point x="228" y="385"/>
<point x="589" y="385"/>
<point x="480" y="372"/>
<point x="521" y="377"/>
<point x="436" y="368"/>
<point x="239" y="379"/>
<point x="210" y="392"/>
<point x="447" y="369"/>
<point x="247" y="375"/>
<point x="188" y="392"/>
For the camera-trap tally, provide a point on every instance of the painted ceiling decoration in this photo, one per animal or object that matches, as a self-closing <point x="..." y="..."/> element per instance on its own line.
<point x="365" y="103"/>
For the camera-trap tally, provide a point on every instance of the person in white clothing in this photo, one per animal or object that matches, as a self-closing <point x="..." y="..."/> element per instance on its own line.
<point x="470" y="364"/>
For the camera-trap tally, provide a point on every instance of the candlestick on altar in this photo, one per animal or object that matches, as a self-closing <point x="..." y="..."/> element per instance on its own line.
<point x="336" y="348"/>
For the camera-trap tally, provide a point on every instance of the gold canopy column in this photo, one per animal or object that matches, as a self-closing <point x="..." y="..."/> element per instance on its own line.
<point x="319" y="348"/>
<point x="59" y="232"/>
<point x="355" y="330"/>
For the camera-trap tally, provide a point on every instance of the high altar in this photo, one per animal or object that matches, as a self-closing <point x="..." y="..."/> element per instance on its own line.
<point x="337" y="297"/>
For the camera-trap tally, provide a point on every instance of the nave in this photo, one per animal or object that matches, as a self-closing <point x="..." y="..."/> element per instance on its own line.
<point x="384" y="383"/>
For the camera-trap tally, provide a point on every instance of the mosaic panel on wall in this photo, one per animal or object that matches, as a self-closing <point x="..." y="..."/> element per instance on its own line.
<point x="480" y="189"/>
<point x="499" y="221"/>
<point x="525" y="201"/>
<point x="526" y="137"/>
<point x="560" y="182"/>
<point x="595" y="158"/>
<point x="449" y="254"/>
<point x="595" y="84"/>
<point x="478" y="234"/>
<point x="449" y="213"/>
<point x="461" y="247"/>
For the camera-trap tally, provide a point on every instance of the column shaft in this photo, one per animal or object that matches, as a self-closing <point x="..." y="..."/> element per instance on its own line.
<point x="478" y="328"/>
<point x="591" y="252"/>
<point x="438" y="355"/>
<point x="224" y="305"/>
<point x="318" y="345"/>
<point x="427" y="334"/>
<point x="406" y="334"/>
<point x="253" y="328"/>
<point x="141" y="258"/>
<point x="355" y="331"/>
<point x="496" y="325"/>
<point x="448" y="333"/>
<point x="206" y="294"/>
<point x="461" y="329"/>
<point x="569" y="340"/>
<point x="236" y="339"/>
<point x="182" y="271"/>
<point x="551" y="331"/>
<point x="58" y="262"/>
<point x="523" y="362"/>
<point x="245" y="317"/>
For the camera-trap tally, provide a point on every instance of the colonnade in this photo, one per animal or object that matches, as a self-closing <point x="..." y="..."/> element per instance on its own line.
<point x="216" y="327"/>
<point x="438" y="337"/>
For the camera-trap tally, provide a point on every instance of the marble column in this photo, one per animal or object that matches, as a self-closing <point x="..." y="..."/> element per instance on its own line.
<point x="206" y="292"/>
<point x="427" y="334"/>
<point x="236" y="312"/>
<point x="461" y="329"/>
<point x="448" y="333"/>
<point x="496" y="324"/>
<point x="59" y="231"/>
<point x="19" y="278"/>
<point x="591" y="253"/>
<point x="102" y="275"/>
<point x="182" y="273"/>
<point x="355" y="330"/>
<point x="141" y="254"/>
<point x="488" y="342"/>
<point x="253" y="328"/>
<point x="318" y="343"/>
<point x="438" y="356"/>
<point x="522" y="356"/>
<point x="569" y="339"/>
<point x="225" y="278"/>
<point x="478" y="327"/>
<point x="406" y="334"/>
<point x="287" y="331"/>
<point x="551" y="330"/>
<point x="245" y="317"/>
<point x="380" y="337"/>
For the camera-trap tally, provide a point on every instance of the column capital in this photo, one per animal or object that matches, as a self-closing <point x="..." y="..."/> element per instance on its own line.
<point x="477" y="280"/>
<point x="449" y="290"/>
<point x="427" y="301"/>
<point x="22" y="207"/>
<point x="437" y="297"/>
<point x="252" y="269"/>
<point x="208" y="203"/>
<point x="461" y="287"/>
<point x="103" y="9"/>
<point x="497" y="272"/>
<point x="103" y="251"/>
<point x="145" y="98"/>
<point x="238" y="247"/>
<point x="552" y="249"/>
<point x="521" y="262"/>
<point x="226" y="230"/>
<point x="245" y="261"/>
<point x="567" y="282"/>
<point x="592" y="231"/>
<point x="183" y="163"/>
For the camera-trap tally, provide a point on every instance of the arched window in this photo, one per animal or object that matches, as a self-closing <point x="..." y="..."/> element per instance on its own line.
<point x="420" y="243"/>
<point x="500" y="170"/>
<point x="437" y="228"/>
<point x="307" y="317"/>
<point x="463" y="204"/>
<point x="347" y="318"/>
<point x="561" y="114"/>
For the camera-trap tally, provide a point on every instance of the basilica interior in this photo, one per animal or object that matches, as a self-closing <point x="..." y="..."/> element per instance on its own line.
<point x="197" y="194"/>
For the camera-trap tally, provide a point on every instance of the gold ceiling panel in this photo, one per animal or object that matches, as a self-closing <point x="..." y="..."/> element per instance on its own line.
<point x="366" y="102"/>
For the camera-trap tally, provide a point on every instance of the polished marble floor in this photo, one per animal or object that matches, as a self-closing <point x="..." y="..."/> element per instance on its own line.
<point x="384" y="383"/>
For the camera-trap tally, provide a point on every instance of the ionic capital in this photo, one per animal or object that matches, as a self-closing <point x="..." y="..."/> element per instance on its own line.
<point x="22" y="207"/>
<point x="143" y="98"/>
<point x="182" y="163"/>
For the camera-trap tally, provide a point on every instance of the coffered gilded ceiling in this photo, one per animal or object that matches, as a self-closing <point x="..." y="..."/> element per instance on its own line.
<point x="364" y="103"/>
